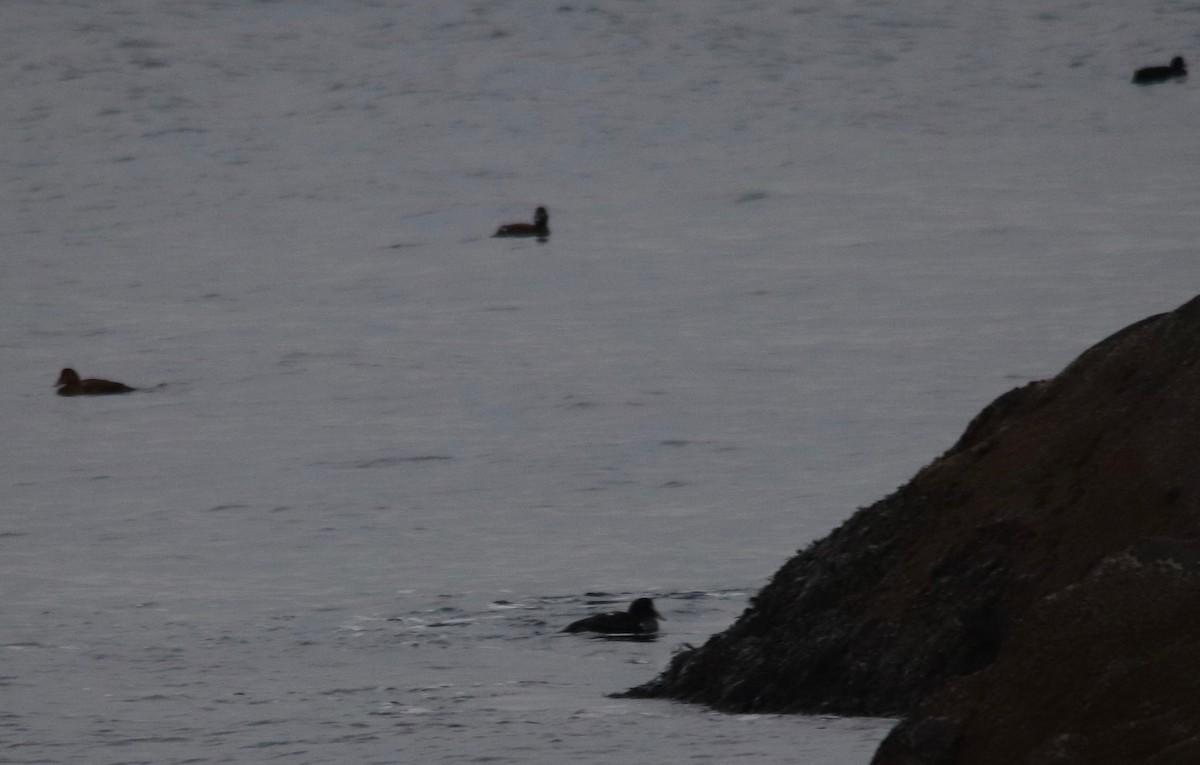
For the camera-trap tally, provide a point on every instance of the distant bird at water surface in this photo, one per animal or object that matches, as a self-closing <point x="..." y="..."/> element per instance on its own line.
<point x="539" y="228"/>
<point x="1150" y="75"/>
<point x="69" y="384"/>
<point x="640" y="619"/>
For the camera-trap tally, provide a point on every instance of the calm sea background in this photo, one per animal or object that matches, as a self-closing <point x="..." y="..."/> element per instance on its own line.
<point x="383" y="458"/>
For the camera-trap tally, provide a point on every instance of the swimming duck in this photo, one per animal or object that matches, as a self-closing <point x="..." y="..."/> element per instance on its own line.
<point x="1150" y="75"/>
<point x="69" y="384"/>
<point x="539" y="228"/>
<point x="640" y="619"/>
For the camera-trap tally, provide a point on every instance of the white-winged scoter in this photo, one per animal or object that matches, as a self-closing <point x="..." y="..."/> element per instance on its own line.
<point x="1150" y="75"/>
<point x="539" y="228"/>
<point x="69" y="384"/>
<point x="640" y="619"/>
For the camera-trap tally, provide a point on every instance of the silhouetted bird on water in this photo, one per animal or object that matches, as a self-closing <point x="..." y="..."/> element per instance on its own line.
<point x="1177" y="70"/>
<point x="69" y="384"/>
<point x="640" y="619"/>
<point x="539" y="228"/>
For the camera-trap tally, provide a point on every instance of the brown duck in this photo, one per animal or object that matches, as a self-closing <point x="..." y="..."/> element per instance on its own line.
<point x="69" y="384"/>
<point x="539" y="228"/>
<point x="640" y="619"/>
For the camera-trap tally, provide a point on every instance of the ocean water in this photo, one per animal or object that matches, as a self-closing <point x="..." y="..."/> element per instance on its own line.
<point x="382" y="458"/>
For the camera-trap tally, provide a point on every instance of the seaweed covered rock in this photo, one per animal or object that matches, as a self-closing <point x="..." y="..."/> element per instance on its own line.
<point x="934" y="600"/>
<point x="1103" y="671"/>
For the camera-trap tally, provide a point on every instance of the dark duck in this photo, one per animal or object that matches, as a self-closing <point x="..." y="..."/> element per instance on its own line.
<point x="1176" y="70"/>
<point x="539" y="228"/>
<point x="69" y="384"/>
<point x="640" y="619"/>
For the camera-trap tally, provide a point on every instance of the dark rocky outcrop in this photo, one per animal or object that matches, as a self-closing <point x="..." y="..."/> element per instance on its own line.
<point x="1027" y="597"/>
<point x="1104" y="671"/>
